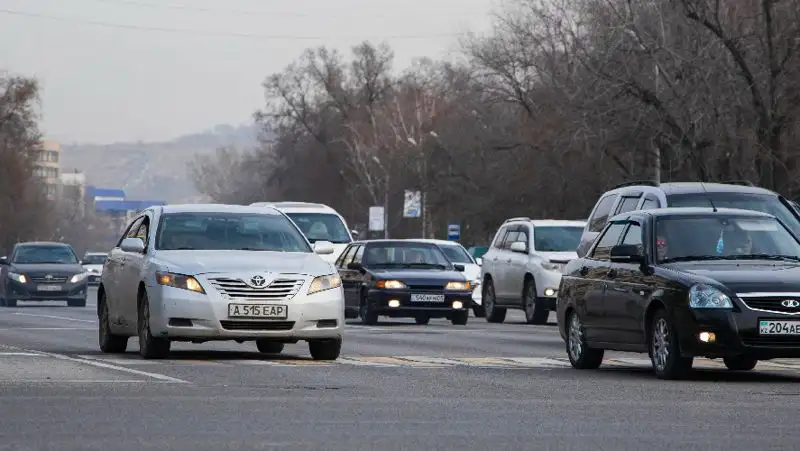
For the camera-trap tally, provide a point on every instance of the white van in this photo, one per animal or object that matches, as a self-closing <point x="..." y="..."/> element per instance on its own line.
<point x="318" y="222"/>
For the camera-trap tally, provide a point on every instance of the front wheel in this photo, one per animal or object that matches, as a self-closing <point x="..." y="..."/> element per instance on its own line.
<point x="368" y="316"/>
<point x="150" y="347"/>
<point x="581" y="356"/>
<point x="535" y="313"/>
<point x="494" y="314"/>
<point x="269" y="347"/>
<point x="325" y="349"/>
<point x="664" y="351"/>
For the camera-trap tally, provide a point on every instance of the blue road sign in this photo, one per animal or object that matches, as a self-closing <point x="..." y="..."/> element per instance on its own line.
<point x="453" y="232"/>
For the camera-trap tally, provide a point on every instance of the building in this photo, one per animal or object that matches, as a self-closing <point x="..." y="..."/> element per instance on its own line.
<point x="47" y="166"/>
<point x="113" y="210"/>
<point x="73" y="192"/>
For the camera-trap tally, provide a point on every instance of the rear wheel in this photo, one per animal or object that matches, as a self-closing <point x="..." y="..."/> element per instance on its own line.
<point x="740" y="363"/>
<point x="269" y="347"/>
<point x="535" y="313"/>
<point x="494" y="314"/>
<point x="368" y="316"/>
<point x="664" y="351"/>
<point x="325" y="349"/>
<point x="581" y="356"/>
<point x="150" y="347"/>
<point x="109" y="342"/>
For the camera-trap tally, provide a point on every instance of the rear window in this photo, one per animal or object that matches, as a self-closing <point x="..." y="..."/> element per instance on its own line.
<point x="765" y="203"/>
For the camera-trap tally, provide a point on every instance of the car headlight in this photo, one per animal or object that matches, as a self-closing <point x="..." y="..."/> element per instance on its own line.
<point x="552" y="266"/>
<point x="78" y="277"/>
<point x="458" y="286"/>
<point x="182" y="281"/>
<point x="18" y="277"/>
<point x="323" y="283"/>
<point x="476" y="283"/>
<point x="390" y="284"/>
<point x="704" y="296"/>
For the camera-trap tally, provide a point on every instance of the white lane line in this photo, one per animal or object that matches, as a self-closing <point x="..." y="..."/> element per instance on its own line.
<point x="57" y="317"/>
<point x="115" y="367"/>
<point x="49" y="328"/>
<point x="4" y="354"/>
<point x="76" y="381"/>
<point x="538" y="362"/>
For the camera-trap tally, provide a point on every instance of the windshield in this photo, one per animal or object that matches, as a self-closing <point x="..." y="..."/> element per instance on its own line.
<point x="722" y="238"/>
<point x="26" y="255"/>
<point x="94" y="259"/>
<point x="229" y="231"/>
<point x="405" y="254"/>
<point x="456" y="254"/>
<point x="765" y="203"/>
<point x="557" y="238"/>
<point x="321" y="227"/>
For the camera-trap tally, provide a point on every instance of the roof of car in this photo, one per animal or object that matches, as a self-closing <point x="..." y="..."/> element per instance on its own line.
<point x="296" y="206"/>
<point x="216" y="208"/>
<point x="43" y="243"/>
<point x="398" y="240"/>
<point x="435" y="241"/>
<point x="691" y="211"/>
<point x="694" y="187"/>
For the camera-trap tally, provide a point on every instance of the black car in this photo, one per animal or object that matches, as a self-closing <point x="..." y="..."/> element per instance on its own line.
<point x="680" y="283"/>
<point x="402" y="279"/>
<point x="42" y="271"/>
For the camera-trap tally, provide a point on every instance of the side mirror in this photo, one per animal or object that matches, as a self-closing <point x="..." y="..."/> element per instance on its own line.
<point x="518" y="246"/>
<point x="626" y="253"/>
<point x="354" y="234"/>
<point x="479" y="261"/>
<point x="323" y="247"/>
<point x="132" y="245"/>
<point x="459" y="267"/>
<point x="355" y="267"/>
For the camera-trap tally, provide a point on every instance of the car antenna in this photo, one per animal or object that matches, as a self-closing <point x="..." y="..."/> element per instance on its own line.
<point x="710" y="200"/>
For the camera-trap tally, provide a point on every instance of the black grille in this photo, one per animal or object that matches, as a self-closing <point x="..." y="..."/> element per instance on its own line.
<point x="427" y="288"/>
<point x="53" y="279"/>
<point x="257" y="325"/>
<point x="771" y="303"/>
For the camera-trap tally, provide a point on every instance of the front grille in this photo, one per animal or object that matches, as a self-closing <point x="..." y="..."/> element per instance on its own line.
<point x="278" y="290"/>
<point x="257" y="325"/>
<point x="43" y="279"/>
<point x="427" y="288"/>
<point x="772" y="304"/>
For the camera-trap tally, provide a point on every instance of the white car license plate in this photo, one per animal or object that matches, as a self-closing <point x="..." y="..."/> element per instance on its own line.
<point x="427" y="298"/>
<point x="258" y="311"/>
<point x="49" y="288"/>
<point x="779" y="327"/>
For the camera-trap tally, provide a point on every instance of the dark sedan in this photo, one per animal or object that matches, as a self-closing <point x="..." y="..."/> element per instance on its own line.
<point x="403" y="279"/>
<point x="42" y="271"/>
<point x="680" y="283"/>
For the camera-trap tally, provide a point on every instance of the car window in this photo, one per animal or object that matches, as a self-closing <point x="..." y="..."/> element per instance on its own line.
<point x="556" y="238"/>
<point x="522" y="236"/>
<point x="650" y="202"/>
<point x="405" y="255"/>
<point x="608" y="240"/>
<point x="346" y="256"/>
<point x="722" y="237"/>
<point x="94" y="259"/>
<point x="498" y="240"/>
<point x="633" y="236"/>
<point x="456" y="254"/>
<point x="229" y="231"/>
<point x="511" y="237"/>
<point x="130" y="232"/>
<point x="357" y="258"/>
<point x="42" y="254"/>
<point x="628" y="203"/>
<point x="143" y="231"/>
<point x="321" y="227"/>
<point x="600" y="215"/>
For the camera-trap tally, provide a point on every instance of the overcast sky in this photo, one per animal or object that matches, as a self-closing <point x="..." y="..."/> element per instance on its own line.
<point x="125" y="83"/>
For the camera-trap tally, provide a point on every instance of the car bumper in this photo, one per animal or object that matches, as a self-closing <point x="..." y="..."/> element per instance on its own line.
<point x="547" y="284"/>
<point x="381" y="302"/>
<point x="182" y="314"/>
<point x="93" y="279"/>
<point x="736" y="333"/>
<point x="477" y="296"/>
<point x="32" y="292"/>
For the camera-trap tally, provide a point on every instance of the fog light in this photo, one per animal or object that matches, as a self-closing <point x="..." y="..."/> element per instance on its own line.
<point x="549" y="292"/>
<point x="458" y="304"/>
<point x="394" y="303"/>
<point x="707" y="337"/>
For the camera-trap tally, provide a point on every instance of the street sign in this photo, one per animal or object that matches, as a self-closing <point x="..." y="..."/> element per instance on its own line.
<point x="453" y="232"/>
<point x="376" y="222"/>
<point x="412" y="204"/>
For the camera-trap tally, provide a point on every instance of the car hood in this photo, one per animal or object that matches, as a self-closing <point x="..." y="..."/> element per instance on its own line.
<point x="558" y="257"/>
<point x="471" y="271"/>
<point x="204" y="262"/>
<point x="47" y="268"/>
<point x="420" y="276"/>
<point x="747" y="276"/>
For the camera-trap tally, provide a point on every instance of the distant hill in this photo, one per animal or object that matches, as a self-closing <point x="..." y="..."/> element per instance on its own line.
<point x="154" y="170"/>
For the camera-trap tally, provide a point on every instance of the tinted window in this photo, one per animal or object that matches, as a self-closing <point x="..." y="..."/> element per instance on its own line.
<point x="556" y="238"/>
<point x="633" y="236"/>
<point x="628" y="204"/>
<point x="650" y="202"/>
<point x="456" y="253"/>
<point x="41" y="254"/>
<point x="765" y="203"/>
<point x="229" y="231"/>
<point x="608" y="240"/>
<point x="722" y="237"/>
<point x="321" y="227"/>
<point x="94" y="259"/>
<point x="511" y="236"/>
<point x="600" y="215"/>
<point x="498" y="240"/>
<point x="405" y="254"/>
<point x="346" y="257"/>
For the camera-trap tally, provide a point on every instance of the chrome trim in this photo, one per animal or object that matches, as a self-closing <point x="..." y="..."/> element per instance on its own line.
<point x="772" y="294"/>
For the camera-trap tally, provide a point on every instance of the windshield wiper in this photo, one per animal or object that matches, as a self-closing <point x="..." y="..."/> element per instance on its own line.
<point x="688" y="258"/>
<point x="250" y="249"/>
<point x="424" y="265"/>
<point x="765" y="257"/>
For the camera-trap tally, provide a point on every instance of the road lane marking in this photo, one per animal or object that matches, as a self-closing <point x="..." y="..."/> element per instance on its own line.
<point x="99" y="364"/>
<point x="76" y="381"/>
<point x="484" y="361"/>
<point x="10" y="354"/>
<point x="438" y="361"/>
<point x="57" y="317"/>
<point x="539" y="362"/>
<point x="49" y="328"/>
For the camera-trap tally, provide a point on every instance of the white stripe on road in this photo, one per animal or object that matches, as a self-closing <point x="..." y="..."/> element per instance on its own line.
<point x="115" y="367"/>
<point x="77" y="381"/>
<point x="49" y="328"/>
<point x="4" y="354"/>
<point x="57" y="317"/>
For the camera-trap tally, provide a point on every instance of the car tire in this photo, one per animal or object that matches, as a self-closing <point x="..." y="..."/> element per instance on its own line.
<point x="109" y="342"/>
<point x="368" y="316"/>
<point x="422" y="319"/>
<point x="581" y="355"/>
<point x="534" y="313"/>
<point x="325" y="349"/>
<point x="478" y="311"/>
<point x="269" y="347"/>
<point x="665" y="354"/>
<point x="494" y="314"/>
<point x="77" y="303"/>
<point x="460" y="318"/>
<point x="740" y="363"/>
<point x="150" y="347"/>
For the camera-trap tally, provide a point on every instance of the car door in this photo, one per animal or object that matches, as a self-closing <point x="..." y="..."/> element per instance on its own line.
<point x="132" y="274"/>
<point x="625" y="293"/>
<point x="596" y="276"/>
<point x="113" y="272"/>
<point x="515" y="277"/>
<point x="490" y="258"/>
<point x="503" y="284"/>
<point x="350" y="279"/>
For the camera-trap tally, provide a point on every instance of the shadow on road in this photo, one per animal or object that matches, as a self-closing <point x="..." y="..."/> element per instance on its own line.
<point x="699" y="375"/>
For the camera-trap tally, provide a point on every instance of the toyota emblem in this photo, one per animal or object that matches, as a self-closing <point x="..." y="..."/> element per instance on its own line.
<point x="257" y="281"/>
<point x="48" y="277"/>
<point x="790" y="303"/>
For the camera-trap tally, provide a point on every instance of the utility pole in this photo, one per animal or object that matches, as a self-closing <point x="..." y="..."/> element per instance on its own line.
<point x="656" y="147"/>
<point x="386" y="205"/>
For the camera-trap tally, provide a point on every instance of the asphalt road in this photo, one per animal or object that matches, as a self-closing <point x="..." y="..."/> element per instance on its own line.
<point x="398" y="386"/>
